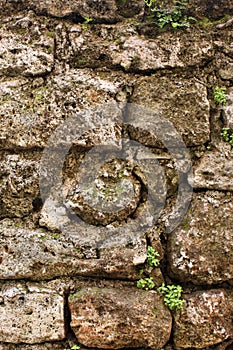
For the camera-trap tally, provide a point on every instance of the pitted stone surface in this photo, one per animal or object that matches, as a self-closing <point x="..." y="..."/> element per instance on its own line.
<point x="215" y="170"/>
<point x="121" y="46"/>
<point x="205" y="320"/>
<point x="26" y="48"/>
<point x="113" y="318"/>
<point x="36" y="110"/>
<point x="181" y="100"/>
<point x="200" y="250"/>
<point x="19" y="187"/>
<point x="30" y="317"/>
<point x="30" y="253"/>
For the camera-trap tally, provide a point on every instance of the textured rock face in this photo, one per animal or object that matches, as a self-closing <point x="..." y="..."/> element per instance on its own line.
<point x="78" y="74"/>
<point x="19" y="188"/>
<point x="34" y="253"/>
<point x="109" y="318"/>
<point x="180" y="100"/>
<point x="200" y="250"/>
<point x="40" y="109"/>
<point x="214" y="170"/>
<point x="30" y="315"/>
<point x="26" y="48"/>
<point x="204" y="321"/>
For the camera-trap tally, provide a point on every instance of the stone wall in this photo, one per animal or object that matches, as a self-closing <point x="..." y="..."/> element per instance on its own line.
<point x="64" y="284"/>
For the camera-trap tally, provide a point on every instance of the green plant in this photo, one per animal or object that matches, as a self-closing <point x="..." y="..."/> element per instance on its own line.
<point x="175" y="16"/>
<point x="151" y="257"/>
<point x="74" y="347"/>
<point x="227" y="135"/>
<point x="87" y="20"/>
<point x="146" y="283"/>
<point x="220" y="96"/>
<point x="172" y="296"/>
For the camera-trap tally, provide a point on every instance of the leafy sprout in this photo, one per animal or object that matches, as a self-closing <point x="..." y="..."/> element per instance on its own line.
<point x="172" y="296"/>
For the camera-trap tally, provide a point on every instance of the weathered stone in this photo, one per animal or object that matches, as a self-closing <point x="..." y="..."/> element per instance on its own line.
<point x="45" y="346"/>
<point x="36" y="111"/>
<point x="120" y="45"/>
<point x="201" y="250"/>
<point x="116" y="318"/>
<point x="30" y="316"/>
<point x="78" y="9"/>
<point x="228" y="109"/>
<point x="225" y="66"/>
<point x="19" y="188"/>
<point x="180" y="100"/>
<point x="26" y="252"/>
<point x="215" y="170"/>
<point x="26" y="48"/>
<point x="108" y="11"/>
<point x="205" y="320"/>
<point x="210" y="8"/>
<point x="224" y="42"/>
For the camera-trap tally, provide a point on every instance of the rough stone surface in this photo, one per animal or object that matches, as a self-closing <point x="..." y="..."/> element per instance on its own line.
<point x="121" y="46"/>
<point x="200" y="250"/>
<point x="68" y="71"/>
<point x="32" y="253"/>
<point x="26" y="48"/>
<point x="112" y="318"/>
<point x="19" y="189"/>
<point x="204" y="321"/>
<point x="40" y="108"/>
<point x="211" y="9"/>
<point x="214" y="170"/>
<point x="30" y="315"/>
<point x="183" y="101"/>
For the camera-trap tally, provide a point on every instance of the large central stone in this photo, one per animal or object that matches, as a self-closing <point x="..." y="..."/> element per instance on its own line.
<point x="110" y="195"/>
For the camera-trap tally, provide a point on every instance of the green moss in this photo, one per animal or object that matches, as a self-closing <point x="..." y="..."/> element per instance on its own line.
<point x="49" y="34"/>
<point x="186" y="223"/>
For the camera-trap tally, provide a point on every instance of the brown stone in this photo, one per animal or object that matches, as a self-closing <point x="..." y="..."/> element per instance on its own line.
<point x="180" y="100"/>
<point x="204" y="320"/>
<point x="115" y="318"/>
<point x="200" y="249"/>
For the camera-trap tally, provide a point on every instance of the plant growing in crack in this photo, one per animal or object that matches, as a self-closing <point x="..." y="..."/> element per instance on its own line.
<point x="227" y="135"/>
<point x="220" y="96"/>
<point x="174" y="17"/>
<point x="146" y="283"/>
<point x="172" y="296"/>
<point x="151" y="262"/>
<point x="152" y="257"/>
<point x="74" y="347"/>
<point x="87" y="20"/>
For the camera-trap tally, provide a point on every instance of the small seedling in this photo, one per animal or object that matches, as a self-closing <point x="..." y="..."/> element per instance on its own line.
<point x="87" y="20"/>
<point x="151" y="257"/>
<point x="227" y="135"/>
<point x="220" y="96"/>
<point x="172" y="296"/>
<point x="74" y="347"/>
<point x="146" y="283"/>
<point x="174" y="17"/>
